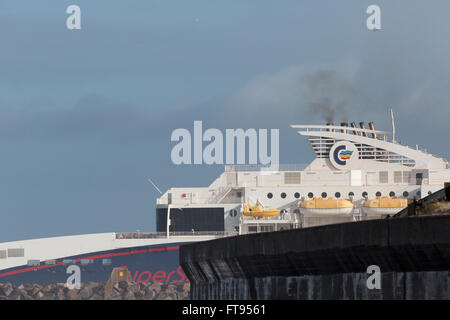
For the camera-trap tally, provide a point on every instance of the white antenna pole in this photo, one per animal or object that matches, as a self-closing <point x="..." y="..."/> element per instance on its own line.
<point x="154" y="185"/>
<point x="393" y="126"/>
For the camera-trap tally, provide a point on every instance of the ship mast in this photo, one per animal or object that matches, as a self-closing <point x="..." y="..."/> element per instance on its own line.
<point x="393" y="126"/>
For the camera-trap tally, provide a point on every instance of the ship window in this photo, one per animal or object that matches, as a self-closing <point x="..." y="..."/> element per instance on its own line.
<point x="266" y="228"/>
<point x="297" y="211"/>
<point x="406" y="176"/>
<point x="233" y="213"/>
<point x="252" y="229"/>
<point x="429" y="192"/>
<point x="292" y="177"/>
<point x="418" y="193"/>
<point x="50" y="262"/>
<point x="378" y="194"/>
<point x="68" y="261"/>
<point x="405" y="194"/>
<point x="16" y="252"/>
<point x="297" y="195"/>
<point x="324" y="194"/>
<point x="351" y="194"/>
<point x="33" y="263"/>
<point x="364" y="194"/>
<point x="106" y="262"/>
<point x="392" y="194"/>
<point x="310" y="195"/>
<point x="269" y="195"/>
<point x="85" y="262"/>
<point x="2" y="254"/>
<point x="283" y="195"/>
<point x="384" y="177"/>
<point x="397" y="176"/>
<point x="337" y="194"/>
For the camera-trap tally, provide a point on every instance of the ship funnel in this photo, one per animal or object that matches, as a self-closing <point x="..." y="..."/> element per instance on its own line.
<point x="344" y="124"/>
<point x="354" y="126"/>
<point x="329" y="124"/>
<point x="363" y="126"/>
<point x="372" y="127"/>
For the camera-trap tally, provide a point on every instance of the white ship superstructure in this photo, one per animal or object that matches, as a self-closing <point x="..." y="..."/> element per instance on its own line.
<point x="358" y="173"/>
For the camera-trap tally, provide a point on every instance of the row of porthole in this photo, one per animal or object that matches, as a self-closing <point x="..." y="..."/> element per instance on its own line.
<point x="338" y="194"/>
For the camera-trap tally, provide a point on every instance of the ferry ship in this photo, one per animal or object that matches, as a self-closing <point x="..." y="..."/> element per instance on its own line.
<point x="358" y="173"/>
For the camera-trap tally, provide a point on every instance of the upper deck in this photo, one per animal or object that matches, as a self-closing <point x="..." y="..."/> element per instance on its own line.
<point x="371" y="145"/>
<point x="348" y="160"/>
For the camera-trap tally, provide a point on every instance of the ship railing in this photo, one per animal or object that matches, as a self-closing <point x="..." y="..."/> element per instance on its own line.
<point x="158" y="235"/>
<point x="221" y="193"/>
<point x="261" y="167"/>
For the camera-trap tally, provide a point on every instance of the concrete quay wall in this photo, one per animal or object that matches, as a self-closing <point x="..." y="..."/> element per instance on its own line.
<point x="326" y="262"/>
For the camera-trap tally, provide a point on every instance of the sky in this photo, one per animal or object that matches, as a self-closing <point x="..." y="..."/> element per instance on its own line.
<point x="86" y="115"/>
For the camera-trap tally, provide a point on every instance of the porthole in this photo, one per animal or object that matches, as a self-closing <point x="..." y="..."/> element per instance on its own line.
<point x="429" y="192"/>
<point x="85" y="262"/>
<point x="337" y="194"/>
<point x="283" y="195"/>
<point x="233" y="213"/>
<point x="69" y="261"/>
<point x="351" y="194"/>
<point x="324" y="194"/>
<point x="310" y="195"/>
<point x="364" y="194"/>
<point x="297" y="195"/>
<point x="378" y="194"/>
<point x="392" y="194"/>
<point x="106" y="262"/>
<point x="269" y="195"/>
<point x="418" y="193"/>
<point x="406" y="194"/>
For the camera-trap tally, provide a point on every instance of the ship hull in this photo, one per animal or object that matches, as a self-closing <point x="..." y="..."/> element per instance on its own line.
<point x="149" y="263"/>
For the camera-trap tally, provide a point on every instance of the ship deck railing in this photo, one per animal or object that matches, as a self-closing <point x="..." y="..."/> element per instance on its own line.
<point x="264" y="167"/>
<point x="158" y="235"/>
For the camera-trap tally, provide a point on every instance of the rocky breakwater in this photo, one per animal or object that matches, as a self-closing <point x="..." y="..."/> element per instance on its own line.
<point x="118" y="287"/>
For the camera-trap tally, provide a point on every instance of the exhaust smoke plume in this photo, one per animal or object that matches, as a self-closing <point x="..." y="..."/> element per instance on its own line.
<point x="329" y="93"/>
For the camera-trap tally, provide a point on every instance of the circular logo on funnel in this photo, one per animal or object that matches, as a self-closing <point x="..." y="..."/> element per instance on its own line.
<point x="343" y="154"/>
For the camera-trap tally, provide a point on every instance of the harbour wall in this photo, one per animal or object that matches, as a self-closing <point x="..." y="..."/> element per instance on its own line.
<point x="326" y="262"/>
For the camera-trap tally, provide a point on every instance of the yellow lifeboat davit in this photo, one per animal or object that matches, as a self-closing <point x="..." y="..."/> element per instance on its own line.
<point x="258" y="211"/>
<point x="326" y="206"/>
<point x="384" y="205"/>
